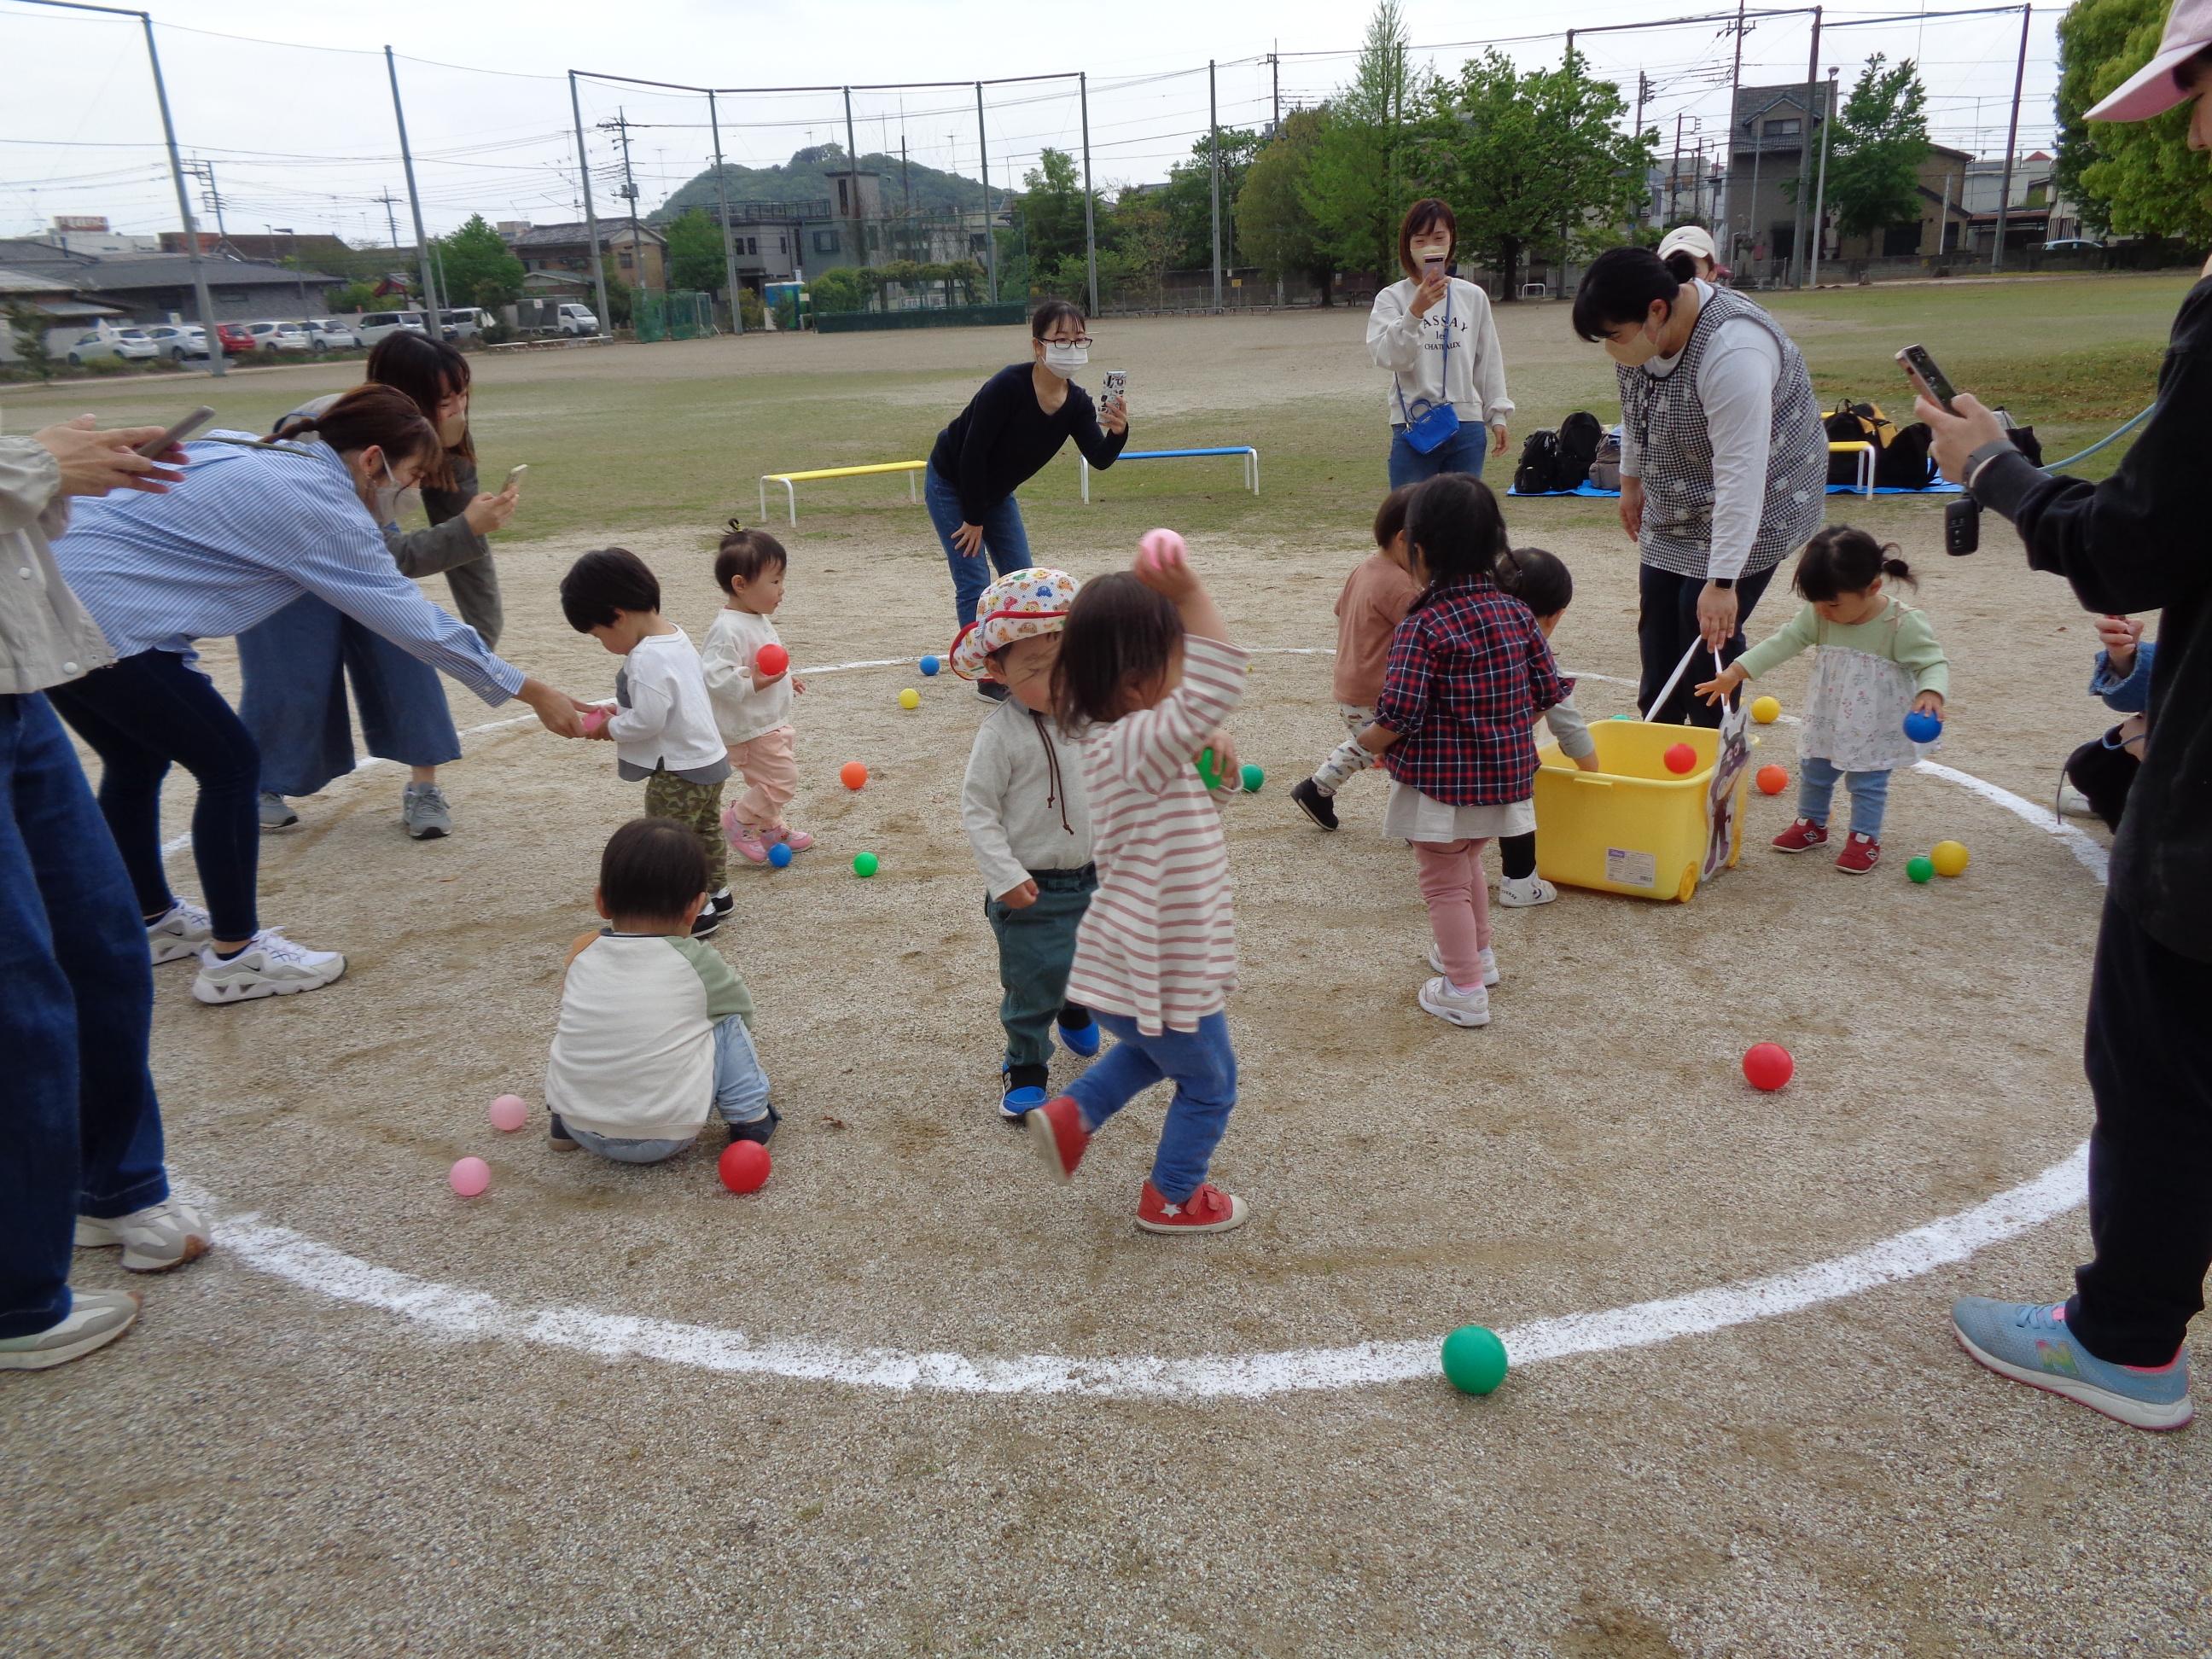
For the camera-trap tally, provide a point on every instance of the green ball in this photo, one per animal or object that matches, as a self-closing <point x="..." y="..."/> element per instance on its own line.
<point x="1474" y="1359"/>
<point x="1922" y="870"/>
<point x="864" y="865"/>
<point x="1254" y="777"/>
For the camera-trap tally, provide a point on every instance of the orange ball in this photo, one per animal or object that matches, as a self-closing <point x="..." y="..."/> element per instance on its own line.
<point x="1772" y="780"/>
<point x="852" y="774"/>
<point x="1679" y="757"/>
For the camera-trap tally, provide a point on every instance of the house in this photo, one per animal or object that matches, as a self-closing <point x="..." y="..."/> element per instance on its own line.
<point x="53" y="308"/>
<point x="1942" y="226"/>
<point x="157" y="287"/>
<point x="561" y="255"/>
<point x="1774" y="155"/>
<point x="2033" y="214"/>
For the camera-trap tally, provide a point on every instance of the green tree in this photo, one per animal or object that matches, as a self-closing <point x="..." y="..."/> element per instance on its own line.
<point x="479" y="270"/>
<point x="1352" y="181"/>
<point x="1050" y="208"/>
<point x="1875" y="153"/>
<point x="840" y="288"/>
<point x="1145" y="239"/>
<point x="28" y="325"/>
<point x="618" y="306"/>
<point x="1188" y="198"/>
<point x="1274" y="226"/>
<point x="695" y="252"/>
<point x="354" y="296"/>
<point x="2138" y="178"/>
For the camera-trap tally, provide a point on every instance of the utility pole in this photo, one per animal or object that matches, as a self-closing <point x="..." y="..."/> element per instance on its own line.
<point x="217" y="365"/>
<point x="211" y="196"/>
<point x="298" y="276"/>
<point x="1276" y="69"/>
<point x="2012" y="145"/>
<point x="1644" y="201"/>
<point x="391" y="223"/>
<point x="1213" y="149"/>
<point x="853" y="167"/>
<point x="1090" y="218"/>
<point x="620" y="126"/>
<point x="415" y="203"/>
<point x="591" y="216"/>
<point x="1735" y="84"/>
<point x="722" y="201"/>
<point x="1820" y="194"/>
<point x="1805" y="153"/>
<point x="983" y="154"/>
<point x="1943" y="224"/>
<point x="1674" y="174"/>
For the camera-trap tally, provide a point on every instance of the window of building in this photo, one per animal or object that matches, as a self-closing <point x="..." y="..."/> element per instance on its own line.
<point x="842" y="206"/>
<point x="1785" y="128"/>
<point x="1899" y="241"/>
<point x="624" y="257"/>
<point x="827" y="241"/>
<point x="752" y="244"/>
<point x="783" y="245"/>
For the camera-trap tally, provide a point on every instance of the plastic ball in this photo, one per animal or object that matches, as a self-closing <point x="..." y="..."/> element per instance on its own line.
<point x="1159" y="545"/>
<point x="594" y="718"/>
<point x="744" y="1166"/>
<point x="1922" y="870"/>
<point x="865" y="865"/>
<point x="909" y="698"/>
<point x="772" y="659"/>
<point x="1679" y="757"/>
<point x="930" y="666"/>
<point x="1766" y="710"/>
<point x="469" y="1176"/>
<point x="852" y="774"/>
<point x="779" y="855"/>
<point x="1767" y="1066"/>
<point x="1474" y="1359"/>
<point x="1772" y="780"/>
<point x="1253" y="777"/>
<point x="508" y="1113"/>
<point x="1949" y="858"/>
<point x="1923" y="728"/>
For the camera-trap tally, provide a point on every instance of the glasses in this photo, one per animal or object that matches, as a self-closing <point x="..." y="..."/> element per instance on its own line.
<point x="1079" y="340"/>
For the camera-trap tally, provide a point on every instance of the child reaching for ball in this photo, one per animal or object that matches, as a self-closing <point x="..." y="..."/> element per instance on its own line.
<point x="1541" y="582"/>
<point x="752" y="706"/>
<point x="1376" y="596"/>
<point x="1146" y="676"/>
<point x="1877" y="660"/>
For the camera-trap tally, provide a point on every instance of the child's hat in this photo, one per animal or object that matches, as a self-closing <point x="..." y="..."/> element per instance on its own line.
<point x="1019" y="606"/>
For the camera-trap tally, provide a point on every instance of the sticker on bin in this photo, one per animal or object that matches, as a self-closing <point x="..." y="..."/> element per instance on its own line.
<point x="1631" y="869"/>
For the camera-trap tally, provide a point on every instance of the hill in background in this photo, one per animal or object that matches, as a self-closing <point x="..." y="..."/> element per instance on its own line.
<point x="806" y="177"/>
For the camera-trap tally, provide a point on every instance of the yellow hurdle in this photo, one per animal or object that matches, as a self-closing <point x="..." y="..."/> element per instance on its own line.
<point x="1865" y="460"/>
<point x="791" y="494"/>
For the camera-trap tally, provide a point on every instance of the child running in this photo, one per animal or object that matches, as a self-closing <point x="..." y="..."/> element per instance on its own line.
<point x="1376" y="596"/>
<point x="663" y="728"/>
<point x="655" y="1026"/>
<point x="752" y="709"/>
<point x="1023" y="805"/>
<point x="1541" y="582"/>
<point x="1145" y="674"/>
<point x="1877" y="661"/>
<point x="1469" y="673"/>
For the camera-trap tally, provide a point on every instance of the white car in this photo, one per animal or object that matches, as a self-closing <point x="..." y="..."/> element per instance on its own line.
<point x="466" y="323"/>
<point x="330" y="334"/>
<point x="279" y="337"/>
<point x="578" y="320"/>
<point x="375" y="325"/>
<point x="178" y="341"/>
<point x="130" y="344"/>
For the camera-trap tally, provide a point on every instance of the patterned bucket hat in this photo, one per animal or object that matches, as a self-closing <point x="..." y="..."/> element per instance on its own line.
<point x="1018" y="606"/>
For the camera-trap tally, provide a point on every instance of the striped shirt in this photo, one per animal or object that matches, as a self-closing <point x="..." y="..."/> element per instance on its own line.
<point x="248" y="530"/>
<point x="1158" y="944"/>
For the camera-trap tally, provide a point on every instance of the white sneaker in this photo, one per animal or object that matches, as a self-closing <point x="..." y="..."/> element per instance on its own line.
<point x="1468" y="1008"/>
<point x="155" y="1239"/>
<point x="1490" y="974"/>
<point x="1518" y="892"/>
<point x="270" y="966"/>
<point x="275" y="811"/>
<point x="2073" y="804"/>
<point x="96" y="1319"/>
<point x="180" y="933"/>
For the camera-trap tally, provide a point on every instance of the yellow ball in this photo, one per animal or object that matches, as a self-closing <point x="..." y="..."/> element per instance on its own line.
<point x="909" y="698"/>
<point x="1766" y="710"/>
<point x="1949" y="858"/>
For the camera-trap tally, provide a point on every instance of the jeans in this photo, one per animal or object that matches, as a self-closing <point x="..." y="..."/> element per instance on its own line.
<point x="296" y="665"/>
<point x="1464" y="451"/>
<point x="1457" y="894"/>
<point x="740" y="1096"/>
<point x="81" y="1124"/>
<point x="1203" y="1068"/>
<point x="1036" y="948"/>
<point x="1666" y="623"/>
<point x="1816" y="786"/>
<point x="142" y="714"/>
<point x="1004" y="540"/>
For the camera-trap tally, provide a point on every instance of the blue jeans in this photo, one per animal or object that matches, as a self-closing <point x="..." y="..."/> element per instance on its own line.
<point x="1203" y="1068"/>
<point x="740" y="1096"/>
<point x="1816" y="787"/>
<point x="1464" y="451"/>
<point x="1004" y="540"/>
<point x="296" y="665"/>
<point x="80" y="1125"/>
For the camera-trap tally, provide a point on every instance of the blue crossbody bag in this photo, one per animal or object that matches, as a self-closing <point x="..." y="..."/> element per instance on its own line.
<point x="1436" y="422"/>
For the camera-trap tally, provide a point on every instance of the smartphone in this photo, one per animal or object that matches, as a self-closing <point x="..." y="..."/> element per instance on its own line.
<point x="512" y="473"/>
<point x="177" y="434"/>
<point x="1117" y="385"/>
<point x="1921" y="367"/>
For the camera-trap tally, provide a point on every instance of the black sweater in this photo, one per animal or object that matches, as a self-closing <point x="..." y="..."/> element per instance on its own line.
<point x="2139" y="541"/>
<point x="1001" y="439"/>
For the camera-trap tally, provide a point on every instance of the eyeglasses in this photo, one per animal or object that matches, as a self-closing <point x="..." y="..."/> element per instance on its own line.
<point x="1079" y="340"/>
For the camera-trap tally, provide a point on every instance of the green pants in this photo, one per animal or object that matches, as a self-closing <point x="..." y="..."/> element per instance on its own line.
<point x="698" y="805"/>
<point x="1036" y="948"/>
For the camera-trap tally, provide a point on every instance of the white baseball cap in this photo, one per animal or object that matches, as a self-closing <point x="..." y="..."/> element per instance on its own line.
<point x="1696" y="240"/>
<point x="2154" y="88"/>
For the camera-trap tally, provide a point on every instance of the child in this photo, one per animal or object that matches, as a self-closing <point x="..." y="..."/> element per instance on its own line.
<point x="1376" y="596"/>
<point x="654" y="1026"/>
<point x="1145" y="674"/>
<point x="663" y="729"/>
<point x="752" y="710"/>
<point x="1541" y="582"/>
<point x="1469" y="673"/>
<point x="1027" y="820"/>
<point x="1878" y="661"/>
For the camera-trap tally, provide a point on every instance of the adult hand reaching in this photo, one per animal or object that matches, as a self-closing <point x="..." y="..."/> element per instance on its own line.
<point x="556" y="711"/>
<point x="93" y="463"/>
<point x="489" y="513"/>
<point x="1631" y="507"/>
<point x="968" y="538"/>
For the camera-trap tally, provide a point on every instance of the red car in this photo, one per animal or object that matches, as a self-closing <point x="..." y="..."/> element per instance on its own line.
<point x="237" y="339"/>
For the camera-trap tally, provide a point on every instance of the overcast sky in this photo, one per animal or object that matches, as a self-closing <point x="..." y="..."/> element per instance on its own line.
<point x="301" y="134"/>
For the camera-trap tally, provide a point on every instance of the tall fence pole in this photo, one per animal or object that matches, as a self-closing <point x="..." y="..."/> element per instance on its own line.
<point x="2012" y="145"/>
<point x="415" y="205"/>
<point x="1213" y="147"/>
<point x="1090" y="224"/>
<point x="983" y="156"/>
<point x="1805" y="153"/>
<point x="216" y="362"/>
<point x="853" y="167"/>
<point x="722" y="201"/>
<point x="591" y="215"/>
<point x="1820" y="192"/>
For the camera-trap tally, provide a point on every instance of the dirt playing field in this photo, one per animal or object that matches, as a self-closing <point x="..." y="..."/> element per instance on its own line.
<point x="910" y="1397"/>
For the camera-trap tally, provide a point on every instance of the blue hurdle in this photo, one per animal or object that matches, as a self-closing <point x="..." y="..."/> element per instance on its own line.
<point x="1251" y="462"/>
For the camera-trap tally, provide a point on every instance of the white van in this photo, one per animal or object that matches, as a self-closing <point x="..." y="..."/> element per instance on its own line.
<point x="375" y="325"/>
<point x="577" y="320"/>
<point x="468" y="321"/>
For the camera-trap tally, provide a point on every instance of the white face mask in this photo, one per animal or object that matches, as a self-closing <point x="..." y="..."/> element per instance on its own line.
<point x="1639" y="348"/>
<point x="1063" y="359"/>
<point x="384" y="499"/>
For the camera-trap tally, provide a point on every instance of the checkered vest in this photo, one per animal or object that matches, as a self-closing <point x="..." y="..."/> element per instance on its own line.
<point x="1669" y="419"/>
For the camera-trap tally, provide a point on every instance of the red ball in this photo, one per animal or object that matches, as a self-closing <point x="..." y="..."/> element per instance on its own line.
<point x="1679" y="757"/>
<point x="772" y="660"/>
<point x="1767" y="1066"/>
<point x="1772" y="780"/>
<point x="745" y="1166"/>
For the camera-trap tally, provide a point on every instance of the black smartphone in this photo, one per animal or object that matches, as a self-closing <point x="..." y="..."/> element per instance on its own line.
<point x="1933" y="381"/>
<point x="177" y="434"/>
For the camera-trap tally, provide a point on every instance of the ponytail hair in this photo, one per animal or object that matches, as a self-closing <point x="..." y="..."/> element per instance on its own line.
<point x="1841" y="560"/>
<point x="1539" y="580"/>
<point x="1681" y="266"/>
<point x="370" y="415"/>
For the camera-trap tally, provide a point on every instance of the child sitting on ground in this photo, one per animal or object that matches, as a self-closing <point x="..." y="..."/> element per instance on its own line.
<point x="1146" y="676"/>
<point x="1877" y="661"/>
<point x="1469" y="673"/>
<point x="752" y="710"/>
<point x="654" y="1025"/>
<point x="1541" y="582"/>
<point x="661" y="726"/>
<point x="1022" y="803"/>
<point x="1376" y="596"/>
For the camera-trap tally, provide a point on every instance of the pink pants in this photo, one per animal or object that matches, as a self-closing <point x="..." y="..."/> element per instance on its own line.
<point x="771" y="777"/>
<point x="1458" y="897"/>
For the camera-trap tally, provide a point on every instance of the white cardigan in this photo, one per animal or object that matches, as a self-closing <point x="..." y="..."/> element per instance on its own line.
<point x="1472" y="373"/>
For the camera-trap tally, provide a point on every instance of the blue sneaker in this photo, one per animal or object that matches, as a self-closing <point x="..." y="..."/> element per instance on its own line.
<point x="1014" y="1102"/>
<point x="2028" y="1341"/>
<point x="1081" y="1041"/>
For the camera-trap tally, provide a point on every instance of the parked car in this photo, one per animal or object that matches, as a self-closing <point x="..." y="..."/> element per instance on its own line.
<point x="2073" y="245"/>
<point x="468" y="321"/>
<point x="178" y="341"/>
<point x="578" y="320"/>
<point x="130" y="344"/>
<point x="375" y="325"/>
<point x="236" y="339"/>
<point x="330" y="334"/>
<point x="279" y="336"/>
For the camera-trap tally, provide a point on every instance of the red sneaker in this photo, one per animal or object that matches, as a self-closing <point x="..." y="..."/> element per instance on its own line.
<point x="1802" y="837"/>
<point x="1056" y="1130"/>
<point x="1860" y="855"/>
<point x="1208" y="1210"/>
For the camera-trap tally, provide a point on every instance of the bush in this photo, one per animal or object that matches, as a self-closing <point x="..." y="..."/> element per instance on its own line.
<point x="750" y="311"/>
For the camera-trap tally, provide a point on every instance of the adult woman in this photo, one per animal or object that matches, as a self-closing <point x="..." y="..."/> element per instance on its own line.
<point x="295" y="665"/>
<point x="1435" y="334"/>
<point x="1724" y="462"/>
<point x="1688" y="251"/>
<point x="1016" y="422"/>
<point x="251" y="527"/>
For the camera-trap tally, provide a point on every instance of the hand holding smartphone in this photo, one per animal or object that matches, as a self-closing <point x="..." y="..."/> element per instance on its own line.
<point x="513" y="476"/>
<point x="1117" y="386"/>
<point x="177" y="434"/>
<point x="1920" y="368"/>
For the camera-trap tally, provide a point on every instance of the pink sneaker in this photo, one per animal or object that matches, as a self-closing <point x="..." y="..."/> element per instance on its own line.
<point x="743" y="838"/>
<point x="798" y="840"/>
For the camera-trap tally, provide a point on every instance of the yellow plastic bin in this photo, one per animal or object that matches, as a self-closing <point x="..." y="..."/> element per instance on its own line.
<point x="1632" y="826"/>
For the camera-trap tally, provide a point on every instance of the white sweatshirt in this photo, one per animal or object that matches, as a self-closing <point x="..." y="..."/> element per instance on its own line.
<point x="664" y="718"/>
<point x="743" y="711"/>
<point x="1472" y="373"/>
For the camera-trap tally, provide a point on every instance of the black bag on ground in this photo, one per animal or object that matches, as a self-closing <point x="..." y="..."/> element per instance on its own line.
<point x="1580" y="434"/>
<point x="1904" y="462"/>
<point x="1538" y="474"/>
<point x="2025" y="440"/>
<point x="1854" y="423"/>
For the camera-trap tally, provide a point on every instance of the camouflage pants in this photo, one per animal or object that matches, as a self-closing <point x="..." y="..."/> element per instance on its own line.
<point x="698" y="805"/>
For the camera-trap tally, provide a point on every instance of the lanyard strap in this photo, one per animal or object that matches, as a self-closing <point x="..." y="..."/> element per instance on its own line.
<point x="1444" y="385"/>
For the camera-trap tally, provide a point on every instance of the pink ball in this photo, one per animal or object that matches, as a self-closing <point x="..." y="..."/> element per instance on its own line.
<point x="469" y="1176"/>
<point x="508" y="1113"/>
<point x="1767" y="1066"/>
<point x="594" y="718"/>
<point x="1158" y="544"/>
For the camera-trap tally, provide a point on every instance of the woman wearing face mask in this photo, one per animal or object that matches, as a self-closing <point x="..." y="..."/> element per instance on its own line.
<point x="252" y="525"/>
<point x="1723" y="461"/>
<point x="1434" y="332"/>
<point x="296" y="664"/>
<point x="1015" y="423"/>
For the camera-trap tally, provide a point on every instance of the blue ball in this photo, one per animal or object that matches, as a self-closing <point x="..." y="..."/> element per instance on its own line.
<point x="929" y="664"/>
<point x="1923" y="728"/>
<point x="779" y="854"/>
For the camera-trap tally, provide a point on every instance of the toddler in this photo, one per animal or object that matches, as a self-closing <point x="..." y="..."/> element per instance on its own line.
<point x="752" y="710"/>
<point x="1469" y="673"/>
<point x="1145" y="674"/>
<point x="662" y="726"/>
<point x="654" y="1025"/>
<point x="1877" y="662"/>
<point x="1541" y="582"/>
<point x="1027" y="820"/>
<point x="1376" y="596"/>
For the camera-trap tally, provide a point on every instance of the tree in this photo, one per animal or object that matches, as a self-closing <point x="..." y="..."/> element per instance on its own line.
<point x="355" y="297"/>
<point x="1880" y="138"/>
<point x="1188" y="198"/>
<point x="2133" y="177"/>
<point x="1050" y="208"/>
<point x="1274" y="226"/>
<point x="479" y="269"/>
<point x="1352" y="180"/>
<point x="28" y="324"/>
<point x="1145" y="239"/>
<point x="618" y="307"/>
<point x="838" y="290"/>
<point x="695" y="252"/>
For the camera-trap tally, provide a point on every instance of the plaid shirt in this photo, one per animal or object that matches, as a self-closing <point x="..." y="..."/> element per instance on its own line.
<point x="1470" y="673"/>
